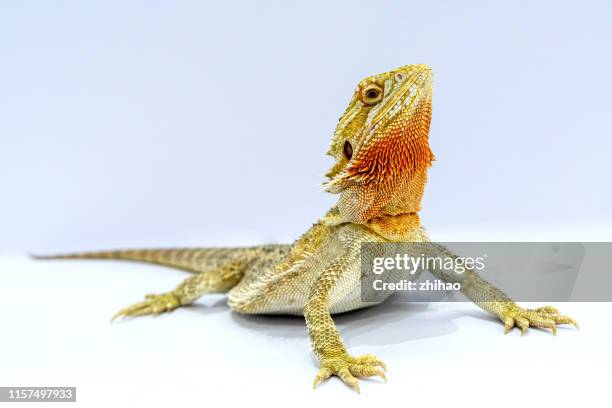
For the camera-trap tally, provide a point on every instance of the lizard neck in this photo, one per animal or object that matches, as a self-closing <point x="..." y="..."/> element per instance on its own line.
<point x="405" y="197"/>
<point x="399" y="219"/>
<point x="396" y="228"/>
<point x="396" y="217"/>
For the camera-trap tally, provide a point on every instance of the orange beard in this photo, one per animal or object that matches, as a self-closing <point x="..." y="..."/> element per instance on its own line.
<point x="389" y="174"/>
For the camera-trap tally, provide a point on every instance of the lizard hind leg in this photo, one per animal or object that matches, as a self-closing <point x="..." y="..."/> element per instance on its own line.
<point x="219" y="280"/>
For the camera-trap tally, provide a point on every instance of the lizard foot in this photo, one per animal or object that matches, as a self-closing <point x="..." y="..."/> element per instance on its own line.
<point x="153" y="304"/>
<point x="348" y="367"/>
<point x="543" y="317"/>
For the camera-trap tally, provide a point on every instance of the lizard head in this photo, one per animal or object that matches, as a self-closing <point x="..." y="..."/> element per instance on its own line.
<point x="381" y="145"/>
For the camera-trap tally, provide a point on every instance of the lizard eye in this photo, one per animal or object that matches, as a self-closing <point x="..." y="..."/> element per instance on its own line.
<point x="371" y="94"/>
<point x="348" y="150"/>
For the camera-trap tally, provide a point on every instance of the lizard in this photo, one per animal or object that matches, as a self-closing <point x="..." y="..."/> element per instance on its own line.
<point x="381" y="158"/>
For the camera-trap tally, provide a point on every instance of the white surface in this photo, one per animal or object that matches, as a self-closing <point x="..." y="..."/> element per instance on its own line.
<point x="56" y="331"/>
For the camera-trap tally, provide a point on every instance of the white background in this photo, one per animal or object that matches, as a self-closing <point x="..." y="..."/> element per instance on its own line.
<point x="144" y="123"/>
<point x="180" y="123"/>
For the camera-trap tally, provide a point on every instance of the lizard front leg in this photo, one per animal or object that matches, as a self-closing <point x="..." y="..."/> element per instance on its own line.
<point x="496" y="302"/>
<point x="219" y="280"/>
<point x="325" y="338"/>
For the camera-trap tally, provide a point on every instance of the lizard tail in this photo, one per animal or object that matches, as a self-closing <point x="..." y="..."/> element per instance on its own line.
<point x="194" y="260"/>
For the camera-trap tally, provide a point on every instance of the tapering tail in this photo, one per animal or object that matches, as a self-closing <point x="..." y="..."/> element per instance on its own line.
<point x="194" y="260"/>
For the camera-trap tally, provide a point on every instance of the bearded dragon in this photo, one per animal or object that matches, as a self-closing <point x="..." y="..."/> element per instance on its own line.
<point x="382" y="155"/>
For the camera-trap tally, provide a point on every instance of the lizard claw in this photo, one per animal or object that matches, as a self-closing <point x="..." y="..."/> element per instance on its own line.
<point x="323" y="374"/>
<point x="349" y="368"/>
<point x="153" y="304"/>
<point x="544" y="317"/>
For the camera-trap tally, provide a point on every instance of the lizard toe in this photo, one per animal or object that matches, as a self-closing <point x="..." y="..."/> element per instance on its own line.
<point x="349" y="368"/>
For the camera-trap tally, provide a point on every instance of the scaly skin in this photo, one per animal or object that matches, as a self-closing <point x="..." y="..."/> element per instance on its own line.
<point x="381" y="151"/>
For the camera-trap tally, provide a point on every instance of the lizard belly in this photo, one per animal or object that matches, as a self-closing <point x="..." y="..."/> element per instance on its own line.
<point x="285" y="288"/>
